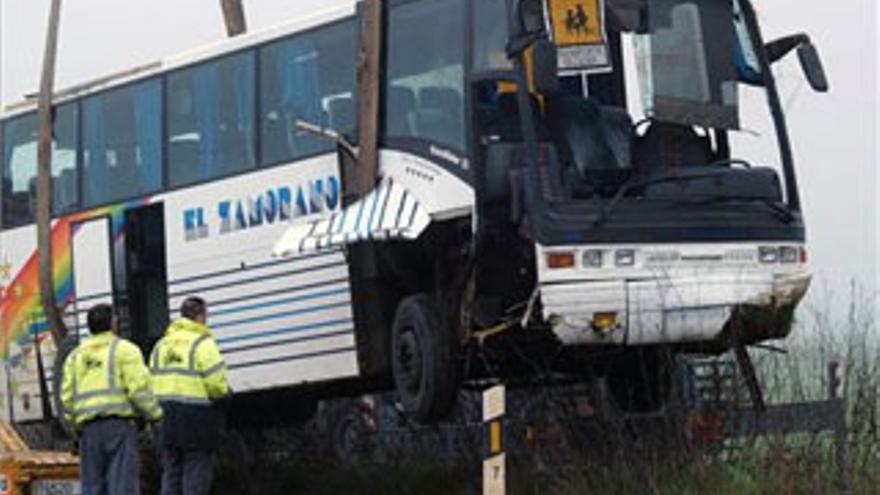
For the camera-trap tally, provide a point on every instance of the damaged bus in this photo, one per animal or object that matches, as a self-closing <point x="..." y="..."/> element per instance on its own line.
<point x="558" y="191"/>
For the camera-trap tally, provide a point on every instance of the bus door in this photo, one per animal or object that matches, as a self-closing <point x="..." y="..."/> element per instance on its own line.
<point x="91" y="248"/>
<point x="141" y="291"/>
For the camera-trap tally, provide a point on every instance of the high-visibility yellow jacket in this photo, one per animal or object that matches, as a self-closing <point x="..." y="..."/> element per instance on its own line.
<point x="105" y="376"/>
<point x="187" y="366"/>
<point x="190" y="379"/>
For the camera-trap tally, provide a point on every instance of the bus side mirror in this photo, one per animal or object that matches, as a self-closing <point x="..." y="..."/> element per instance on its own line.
<point x="545" y="67"/>
<point x="811" y="63"/>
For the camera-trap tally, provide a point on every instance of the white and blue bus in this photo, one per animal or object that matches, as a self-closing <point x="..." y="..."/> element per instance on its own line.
<point x="556" y="185"/>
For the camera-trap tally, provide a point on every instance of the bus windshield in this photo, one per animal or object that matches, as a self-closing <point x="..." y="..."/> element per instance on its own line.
<point x="689" y="63"/>
<point x="663" y="100"/>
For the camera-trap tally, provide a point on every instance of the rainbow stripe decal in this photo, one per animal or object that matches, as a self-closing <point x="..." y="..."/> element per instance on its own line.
<point x="21" y="314"/>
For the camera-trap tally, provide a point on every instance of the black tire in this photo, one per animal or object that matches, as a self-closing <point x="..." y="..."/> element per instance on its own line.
<point x="352" y="437"/>
<point x="67" y="345"/>
<point x="424" y="359"/>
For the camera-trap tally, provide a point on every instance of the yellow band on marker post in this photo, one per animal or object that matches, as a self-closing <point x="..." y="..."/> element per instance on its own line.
<point x="495" y="437"/>
<point x="494" y="466"/>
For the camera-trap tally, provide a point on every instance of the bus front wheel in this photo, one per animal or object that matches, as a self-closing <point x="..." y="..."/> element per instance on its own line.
<point x="424" y="350"/>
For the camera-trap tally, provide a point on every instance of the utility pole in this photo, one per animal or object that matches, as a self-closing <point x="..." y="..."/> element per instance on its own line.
<point x="44" y="178"/>
<point x="369" y="68"/>
<point x="233" y="15"/>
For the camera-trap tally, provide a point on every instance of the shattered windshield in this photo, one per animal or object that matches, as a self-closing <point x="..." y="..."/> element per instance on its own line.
<point x="658" y="108"/>
<point x="690" y="61"/>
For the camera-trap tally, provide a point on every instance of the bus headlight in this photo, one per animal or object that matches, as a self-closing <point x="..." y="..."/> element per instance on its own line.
<point x="593" y="258"/>
<point x="768" y="254"/>
<point x="625" y="257"/>
<point x="789" y="254"/>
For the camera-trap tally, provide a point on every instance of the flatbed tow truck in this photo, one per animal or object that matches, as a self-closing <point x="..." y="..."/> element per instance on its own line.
<point x="35" y="472"/>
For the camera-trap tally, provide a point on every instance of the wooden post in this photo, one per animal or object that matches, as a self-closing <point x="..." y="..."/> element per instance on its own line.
<point x="836" y="393"/>
<point x="44" y="178"/>
<point x="369" y="78"/>
<point x="494" y="465"/>
<point x="233" y="16"/>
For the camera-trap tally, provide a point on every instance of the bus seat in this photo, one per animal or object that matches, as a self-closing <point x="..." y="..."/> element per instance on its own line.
<point x="401" y="105"/>
<point x="619" y="131"/>
<point x="500" y="118"/>
<point x="667" y="145"/>
<point x="588" y="136"/>
<point x="439" y="114"/>
<point x="500" y="159"/>
<point x="342" y="113"/>
<point x="21" y="207"/>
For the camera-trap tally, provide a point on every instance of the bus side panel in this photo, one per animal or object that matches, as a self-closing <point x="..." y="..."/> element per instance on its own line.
<point x="279" y="322"/>
<point x="21" y="319"/>
<point x="92" y="269"/>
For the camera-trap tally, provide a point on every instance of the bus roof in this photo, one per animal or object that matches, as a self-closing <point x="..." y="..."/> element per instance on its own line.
<point x="189" y="57"/>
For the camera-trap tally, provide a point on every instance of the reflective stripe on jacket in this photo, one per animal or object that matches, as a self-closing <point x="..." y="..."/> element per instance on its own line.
<point x="187" y="366"/>
<point x="105" y="376"/>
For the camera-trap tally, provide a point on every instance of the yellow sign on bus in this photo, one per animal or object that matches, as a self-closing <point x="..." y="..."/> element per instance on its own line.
<point x="577" y="22"/>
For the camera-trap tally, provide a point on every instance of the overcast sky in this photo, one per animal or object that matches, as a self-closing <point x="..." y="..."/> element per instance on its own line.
<point x="834" y="135"/>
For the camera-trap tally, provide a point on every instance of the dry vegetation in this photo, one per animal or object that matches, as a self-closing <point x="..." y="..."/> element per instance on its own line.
<point x="609" y="459"/>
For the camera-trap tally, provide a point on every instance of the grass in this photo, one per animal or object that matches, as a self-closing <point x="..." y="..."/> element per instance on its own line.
<point x="778" y="465"/>
<point x="329" y="479"/>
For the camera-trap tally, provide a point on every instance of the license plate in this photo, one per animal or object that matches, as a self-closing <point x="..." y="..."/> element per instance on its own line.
<point x="56" y="487"/>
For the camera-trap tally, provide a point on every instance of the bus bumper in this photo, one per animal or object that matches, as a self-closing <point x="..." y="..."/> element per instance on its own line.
<point x="697" y="309"/>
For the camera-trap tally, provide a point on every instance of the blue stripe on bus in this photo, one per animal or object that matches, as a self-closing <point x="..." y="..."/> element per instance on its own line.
<point x="247" y="268"/>
<point x="295" y="340"/>
<point x="300" y="271"/>
<point x="294" y="357"/>
<point x="357" y="224"/>
<point x="275" y="292"/>
<point x="385" y="203"/>
<point x="378" y="196"/>
<point x="281" y="331"/>
<point x="251" y="307"/>
<point x="342" y="221"/>
<point x="285" y="314"/>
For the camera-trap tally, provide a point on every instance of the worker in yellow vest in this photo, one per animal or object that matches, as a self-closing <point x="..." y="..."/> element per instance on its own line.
<point x="105" y="388"/>
<point x="191" y="384"/>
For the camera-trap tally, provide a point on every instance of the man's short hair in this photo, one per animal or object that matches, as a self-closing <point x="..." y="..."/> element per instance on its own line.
<point x="193" y="307"/>
<point x="100" y="318"/>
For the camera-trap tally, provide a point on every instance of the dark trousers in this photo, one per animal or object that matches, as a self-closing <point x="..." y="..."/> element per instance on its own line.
<point x="109" y="462"/>
<point x="186" y="472"/>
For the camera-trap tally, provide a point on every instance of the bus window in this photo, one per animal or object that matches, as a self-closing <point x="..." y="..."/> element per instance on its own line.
<point x="311" y="78"/>
<point x="65" y="187"/>
<point x="20" y="169"/>
<point x="490" y="36"/>
<point x="211" y="120"/>
<point x="424" y="89"/>
<point x="20" y="172"/>
<point x="122" y="143"/>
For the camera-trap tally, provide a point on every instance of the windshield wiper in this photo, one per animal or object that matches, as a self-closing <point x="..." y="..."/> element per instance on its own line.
<point x="631" y="184"/>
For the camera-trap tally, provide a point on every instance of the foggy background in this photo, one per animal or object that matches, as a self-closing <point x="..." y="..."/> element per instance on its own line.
<point x="834" y="135"/>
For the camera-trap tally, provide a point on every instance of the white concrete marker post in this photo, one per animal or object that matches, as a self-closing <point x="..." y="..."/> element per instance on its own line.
<point x="494" y="465"/>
